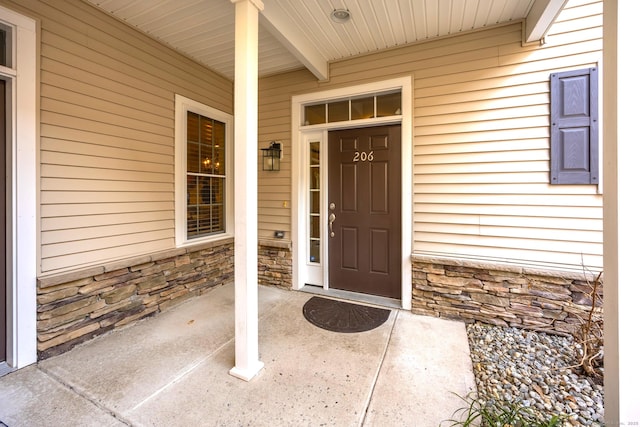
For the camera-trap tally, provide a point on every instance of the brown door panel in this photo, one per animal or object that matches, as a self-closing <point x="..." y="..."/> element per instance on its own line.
<point x="364" y="183"/>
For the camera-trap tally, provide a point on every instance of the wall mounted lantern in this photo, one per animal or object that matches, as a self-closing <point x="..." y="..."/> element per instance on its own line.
<point x="271" y="157"/>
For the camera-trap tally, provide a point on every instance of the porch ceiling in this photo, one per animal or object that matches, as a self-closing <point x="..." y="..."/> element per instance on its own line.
<point x="295" y="33"/>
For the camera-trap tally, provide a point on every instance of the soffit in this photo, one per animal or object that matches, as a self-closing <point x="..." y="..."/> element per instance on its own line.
<point x="300" y="33"/>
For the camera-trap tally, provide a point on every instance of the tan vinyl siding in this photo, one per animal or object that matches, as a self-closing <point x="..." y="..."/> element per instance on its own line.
<point x="481" y="154"/>
<point x="274" y="120"/>
<point x="480" y="141"/>
<point x="107" y="134"/>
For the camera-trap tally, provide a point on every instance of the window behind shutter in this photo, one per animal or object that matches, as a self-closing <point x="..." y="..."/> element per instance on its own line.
<point x="574" y="127"/>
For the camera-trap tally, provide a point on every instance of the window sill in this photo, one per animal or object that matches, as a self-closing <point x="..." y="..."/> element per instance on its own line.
<point x="205" y="242"/>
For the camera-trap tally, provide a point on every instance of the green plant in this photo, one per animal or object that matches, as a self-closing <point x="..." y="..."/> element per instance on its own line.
<point x="499" y="414"/>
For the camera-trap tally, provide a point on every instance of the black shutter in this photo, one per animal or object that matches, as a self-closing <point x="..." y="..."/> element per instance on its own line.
<point x="574" y="127"/>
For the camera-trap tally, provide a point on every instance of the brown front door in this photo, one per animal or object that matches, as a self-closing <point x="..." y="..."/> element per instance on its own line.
<point x="3" y="226"/>
<point x="364" y="210"/>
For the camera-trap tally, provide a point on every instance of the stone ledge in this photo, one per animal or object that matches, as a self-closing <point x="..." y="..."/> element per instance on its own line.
<point x="206" y="245"/>
<point x="46" y="281"/>
<point x="171" y="253"/>
<point x="126" y="263"/>
<point x="515" y="268"/>
<point x="280" y="244"/>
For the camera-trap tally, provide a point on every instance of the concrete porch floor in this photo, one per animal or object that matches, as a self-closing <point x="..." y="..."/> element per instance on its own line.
<point x="173" y="369"/>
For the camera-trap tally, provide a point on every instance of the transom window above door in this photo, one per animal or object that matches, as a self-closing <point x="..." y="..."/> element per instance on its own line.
<point x="354" y="108"/>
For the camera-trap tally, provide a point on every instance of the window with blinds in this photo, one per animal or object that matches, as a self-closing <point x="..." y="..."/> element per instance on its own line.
<point x="206" y="175"/>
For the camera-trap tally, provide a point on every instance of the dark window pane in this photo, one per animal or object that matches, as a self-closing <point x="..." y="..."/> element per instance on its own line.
<point x="314" y="251"/>
<point x="217" y="190"/>
<point x="204" y="184"/>
<point x="338" y="111"/>
<point x="314" y="114"/>
<point x="193" y="127"/>
<point x="315" y="227"/>
<point x="206" y="145"/>
<point x="204" y="220"/>
<point x="362" y="108"/>
<point x="192" y="190"/>
<point x="315" y="202"/>
<point x="314" y="153"/>
<point x="217" y="218"/>
<point x="315" y="178"/>
<point x="206" y="130"/>
<point x="193" y="157"/>
<point x="206" y="156"/>
<point x="5" y="45"/>
<point x="218" y="148"/>
<point x="389" y="105"/>
<point x="192" y="221"/>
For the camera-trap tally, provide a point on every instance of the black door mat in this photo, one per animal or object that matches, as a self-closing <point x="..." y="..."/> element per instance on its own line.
<point x="339" y="316"/>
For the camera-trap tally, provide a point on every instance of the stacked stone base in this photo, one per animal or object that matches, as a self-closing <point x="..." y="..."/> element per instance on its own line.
<point x="275" y="264"/>
<point x="74" y="307"/>
<point x="502" y="295"/>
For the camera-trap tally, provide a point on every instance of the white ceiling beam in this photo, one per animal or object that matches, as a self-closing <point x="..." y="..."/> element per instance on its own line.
<point x="540" y="18"/>
<point x="276" y="22"/>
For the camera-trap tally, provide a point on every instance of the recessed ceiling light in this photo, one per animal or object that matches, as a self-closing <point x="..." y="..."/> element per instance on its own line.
<point x="340" y="15"/>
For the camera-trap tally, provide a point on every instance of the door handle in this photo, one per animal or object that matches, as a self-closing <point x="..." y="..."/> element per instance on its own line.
<point x="332" y="218"/>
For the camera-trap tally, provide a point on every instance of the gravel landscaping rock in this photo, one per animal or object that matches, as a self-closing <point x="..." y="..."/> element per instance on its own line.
<point x="535" y="369"/>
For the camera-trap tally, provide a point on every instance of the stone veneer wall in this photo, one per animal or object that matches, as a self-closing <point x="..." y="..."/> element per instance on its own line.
<point x="275" y="264"/>
<point x="501" y="295"/>
<point x="74" y="307"/>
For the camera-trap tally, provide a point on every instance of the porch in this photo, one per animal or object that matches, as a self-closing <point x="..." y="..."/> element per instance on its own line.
<point x="174" y="368"/>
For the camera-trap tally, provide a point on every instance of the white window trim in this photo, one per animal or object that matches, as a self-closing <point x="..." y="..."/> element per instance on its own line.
<point x="22" y="253"/>
<point x="182" y="106"/>
<point x="299" y="166"/>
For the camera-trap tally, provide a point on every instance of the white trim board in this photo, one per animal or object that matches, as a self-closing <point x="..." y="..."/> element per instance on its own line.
<point x="22" y="254"/>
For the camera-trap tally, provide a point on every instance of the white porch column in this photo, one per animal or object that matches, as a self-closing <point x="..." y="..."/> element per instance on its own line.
<point x="621" y="228"/>
<point x="246" y="189"/>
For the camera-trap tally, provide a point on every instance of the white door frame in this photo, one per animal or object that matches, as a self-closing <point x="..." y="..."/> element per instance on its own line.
<point x="300" y="166"/>
<point x="21" y="191"/>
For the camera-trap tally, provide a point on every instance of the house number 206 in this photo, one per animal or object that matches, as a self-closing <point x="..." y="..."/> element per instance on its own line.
<point x="362" y="156"/>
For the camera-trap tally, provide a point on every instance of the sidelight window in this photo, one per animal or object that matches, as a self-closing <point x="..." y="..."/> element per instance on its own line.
<point x="314" y="202"/>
